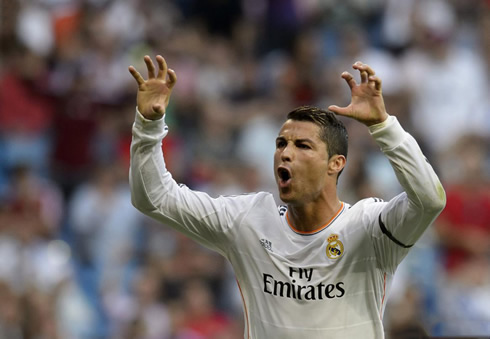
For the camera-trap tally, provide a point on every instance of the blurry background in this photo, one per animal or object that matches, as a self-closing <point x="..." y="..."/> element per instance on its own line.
<point x="78" y="261"/>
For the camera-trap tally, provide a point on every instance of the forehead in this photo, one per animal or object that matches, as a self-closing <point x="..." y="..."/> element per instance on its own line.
<point x="293" y="129"/>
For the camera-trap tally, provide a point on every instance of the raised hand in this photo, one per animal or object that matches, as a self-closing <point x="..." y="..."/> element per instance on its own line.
<point x="154" y="93"/>
<point x="367" y="104"/>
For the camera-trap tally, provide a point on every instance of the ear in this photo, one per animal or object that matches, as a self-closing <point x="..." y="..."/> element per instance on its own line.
<point x="335" y="164"/>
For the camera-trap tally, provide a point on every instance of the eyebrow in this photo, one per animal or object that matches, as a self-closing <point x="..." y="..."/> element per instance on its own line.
<point x="305" y="140"/>
<point x="281" y="138"/>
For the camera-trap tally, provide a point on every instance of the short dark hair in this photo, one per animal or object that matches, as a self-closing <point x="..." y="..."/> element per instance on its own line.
<point x="332" y="131"/>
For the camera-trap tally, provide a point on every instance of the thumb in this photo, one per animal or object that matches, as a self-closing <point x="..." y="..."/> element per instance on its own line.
<point x="339" y="110"/>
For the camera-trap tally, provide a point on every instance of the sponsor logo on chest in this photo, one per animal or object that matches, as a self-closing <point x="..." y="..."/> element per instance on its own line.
<point x="299" y="286"/>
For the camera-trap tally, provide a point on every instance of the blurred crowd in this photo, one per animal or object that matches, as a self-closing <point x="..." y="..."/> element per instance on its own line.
<point x="78" y="261"/>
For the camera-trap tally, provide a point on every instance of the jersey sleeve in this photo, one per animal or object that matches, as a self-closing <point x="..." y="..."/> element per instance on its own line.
<point x="397" y="224"/>
<point x="155" y="193"/>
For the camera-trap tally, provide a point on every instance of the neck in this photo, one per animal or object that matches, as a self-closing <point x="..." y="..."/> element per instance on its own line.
<point x="312" y="216"/>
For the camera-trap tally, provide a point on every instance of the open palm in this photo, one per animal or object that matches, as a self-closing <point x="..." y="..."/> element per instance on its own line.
<point x="154" y="93"/>
<point x="367" y="104"/>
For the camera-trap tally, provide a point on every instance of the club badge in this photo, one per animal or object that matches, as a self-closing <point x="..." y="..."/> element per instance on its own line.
<point x="335" y="248"/>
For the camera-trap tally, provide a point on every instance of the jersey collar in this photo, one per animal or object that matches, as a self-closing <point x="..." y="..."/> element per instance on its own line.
<point x="318" y="230"/>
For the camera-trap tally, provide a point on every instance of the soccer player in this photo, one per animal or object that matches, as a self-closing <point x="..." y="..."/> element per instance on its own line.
<point x="315" y="267"/>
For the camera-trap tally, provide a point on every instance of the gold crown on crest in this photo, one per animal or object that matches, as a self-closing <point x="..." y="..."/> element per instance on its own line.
<point x="332" y="238"/>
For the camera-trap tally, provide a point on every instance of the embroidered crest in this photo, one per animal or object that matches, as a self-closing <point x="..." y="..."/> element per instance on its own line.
<point x="335" y="247"/>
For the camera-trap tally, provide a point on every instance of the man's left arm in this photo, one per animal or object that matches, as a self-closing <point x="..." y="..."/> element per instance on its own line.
<point x="397" y="224"/>
<point x="404" y="218"/>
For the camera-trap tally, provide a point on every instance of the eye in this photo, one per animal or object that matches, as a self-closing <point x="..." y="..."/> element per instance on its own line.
<point x="280" y="143"/>
<point x="303" y="146"/>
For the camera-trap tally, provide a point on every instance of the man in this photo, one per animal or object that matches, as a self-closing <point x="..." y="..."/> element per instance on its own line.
<point x="316" y="267"/>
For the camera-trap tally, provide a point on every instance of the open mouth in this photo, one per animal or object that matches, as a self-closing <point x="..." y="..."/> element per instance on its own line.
<point x="284" y="174"/>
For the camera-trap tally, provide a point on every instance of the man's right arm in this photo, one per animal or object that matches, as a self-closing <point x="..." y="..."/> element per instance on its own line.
<point x="153" y="190"/>
<point x="155" y="193"/>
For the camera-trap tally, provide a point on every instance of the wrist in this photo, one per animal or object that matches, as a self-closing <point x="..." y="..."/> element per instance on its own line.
<point x="379" y="121"/>
<point x="150" y="115"/>
<point x="144" y="118"/>
<point x="388" y="134"/>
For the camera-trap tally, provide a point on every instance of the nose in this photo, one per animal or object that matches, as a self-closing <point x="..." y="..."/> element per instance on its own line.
<point x="287" y="154"/>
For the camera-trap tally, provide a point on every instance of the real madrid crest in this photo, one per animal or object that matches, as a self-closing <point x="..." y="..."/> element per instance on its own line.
<point x="335" y="248"/>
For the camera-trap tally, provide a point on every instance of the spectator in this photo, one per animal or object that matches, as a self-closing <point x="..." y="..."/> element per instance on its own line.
<point x="444" y="109"/>
<point x="64" y="109"/>
<point x="464" y="227"/>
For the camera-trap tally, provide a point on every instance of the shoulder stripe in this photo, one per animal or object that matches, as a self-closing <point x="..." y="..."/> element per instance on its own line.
<point x="389" y="235"/>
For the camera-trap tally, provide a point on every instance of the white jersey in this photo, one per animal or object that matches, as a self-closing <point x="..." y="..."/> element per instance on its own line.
<point x="331" y="283"/>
